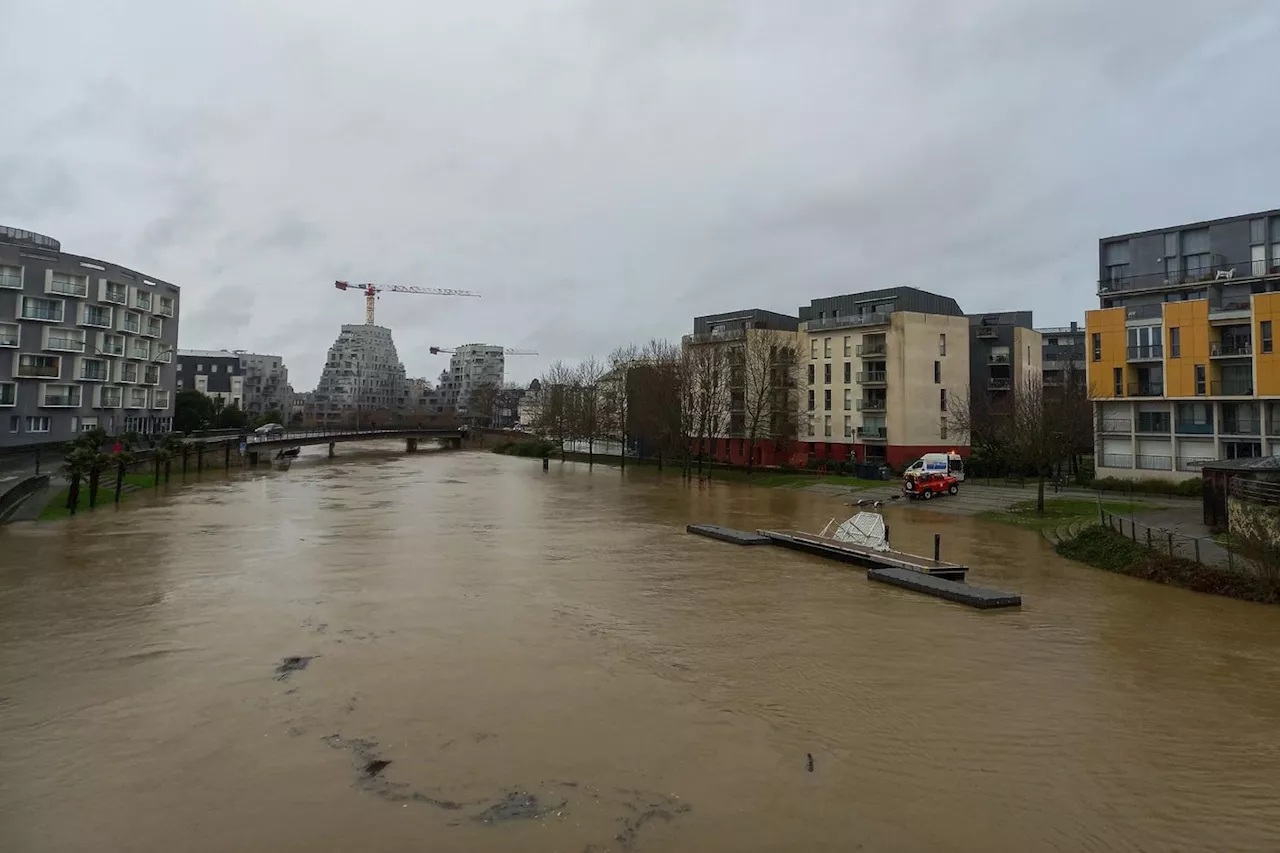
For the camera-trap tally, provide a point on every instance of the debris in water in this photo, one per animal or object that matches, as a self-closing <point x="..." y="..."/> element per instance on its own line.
<point x="373" y="768"/>
<point x="288" y="666"/>
<point x="810" y="763"/>
<point x="517" y="806"/>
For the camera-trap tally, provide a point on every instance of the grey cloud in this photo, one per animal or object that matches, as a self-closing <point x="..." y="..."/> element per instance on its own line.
<point x="602" y="171"/>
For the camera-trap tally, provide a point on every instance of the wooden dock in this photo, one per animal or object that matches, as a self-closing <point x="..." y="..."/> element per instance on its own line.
<point x="728" y="534"/>
<point x="974" y="596"/>
<point x="847" y="552"/>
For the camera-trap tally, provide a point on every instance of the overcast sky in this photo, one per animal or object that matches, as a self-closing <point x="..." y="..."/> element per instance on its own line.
<point x="604" y="170"/>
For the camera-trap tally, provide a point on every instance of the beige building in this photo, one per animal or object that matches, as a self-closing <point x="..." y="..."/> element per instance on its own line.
<point x="878" y="372"/>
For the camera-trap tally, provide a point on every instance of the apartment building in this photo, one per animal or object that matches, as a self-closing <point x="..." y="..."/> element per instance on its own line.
<point x="363" y="377"/>
<point x="735" y="332"/>
<point x="84" y="343"/>
<point x="1182" y="366"/>
<point x="266" y="384"/>
<point x="880" y="368"/>
<point x="471" y="366"/>
<point x="214" y="373"/>
<point x="1063" y="355"/>
<point x="1005" y="355"/>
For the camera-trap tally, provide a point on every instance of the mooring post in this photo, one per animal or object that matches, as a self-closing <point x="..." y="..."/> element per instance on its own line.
<point x="1170" y="543"/>
<point x="937" y="547"/>
<point x="226" y="457"/>
<point x="1197" y="544"/>
<point x="886" y="534"/>
<point x="546" y="464"/>
<point x="185" y="451"/>
<point x="331" y="444"/>
<point x="200" y="458"/>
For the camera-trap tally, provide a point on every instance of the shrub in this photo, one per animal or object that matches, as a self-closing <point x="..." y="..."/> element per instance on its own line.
<point x="1184" y="488"/>
<point x="530" y="449"/>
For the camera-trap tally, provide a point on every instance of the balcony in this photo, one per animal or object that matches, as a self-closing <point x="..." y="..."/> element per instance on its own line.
<point x="109" y="398"/>
<point x="60" y="396"/>
<point x="849" y="322"/>
<point x="116" y="293"/>
<point x="1223" y="270"/>
<point x="717" y="337"/>
<point x="1234" y="305"/>
<point x="1155" y="423"/>
<point x="1230" y="349"/>
<point x="1145" y="352"/>
<point x="1191" y="428"/>
<point x="132" y="325"/>
<point x="38" y="367"/>
<point x="875" y="350"/>
<point x="872" y="377"/>
<point x="1000" y="383"/>
<point x="94" y="371"/>
<point x="68" y="285"/>
<point x="96" y="316"/>
<point x="873" y="433"/>
<point x="153" y="328"/>
<point x="988" y="333"/>
<point x="165" y="308"/>
<point x="998" y="358"/>
<point x="140" y="350"/>
<point x="136" y="399"/>
<point x="1150" y="388"/>
<point x="1242" y="387"/>
<point x="1144" y="312"/>
<point x="160" y="399"/>
<point x="64" y="342"/>
<point x="1153" y="463"/>
<point x="1241" y="426"/>
<point x="1116" y="425"/>
<point x="9" y="333"/>
<point x="871" y="405"/>
<point x="47" y="310"/>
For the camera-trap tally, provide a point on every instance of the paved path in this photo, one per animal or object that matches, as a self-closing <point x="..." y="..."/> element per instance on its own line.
<point x="974" y="497"/>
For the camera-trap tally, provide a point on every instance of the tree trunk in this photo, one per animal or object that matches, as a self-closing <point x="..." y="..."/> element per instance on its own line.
<point x="1040" y="492"/>
<point x="155" y="479"/>
<point x="623" y="457"/>
<point x="751" y="455"/>
<point x="659" y="458"/>
<point x="119" y="479"/>
<point x="73" y="493"/>
<point x="167" y="465"/>
<point x="591" y="457"/>
<point x="93" y="486"/>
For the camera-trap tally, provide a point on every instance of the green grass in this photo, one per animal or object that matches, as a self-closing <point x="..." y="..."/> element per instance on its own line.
<point x="56" y="509"/>
<point x="1057" y="512"/>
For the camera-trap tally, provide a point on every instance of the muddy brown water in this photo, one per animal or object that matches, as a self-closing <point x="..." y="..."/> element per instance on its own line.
<point x="461" y="652"/>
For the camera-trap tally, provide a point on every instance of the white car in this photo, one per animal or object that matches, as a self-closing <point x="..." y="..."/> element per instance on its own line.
<point x="269" y="429"/>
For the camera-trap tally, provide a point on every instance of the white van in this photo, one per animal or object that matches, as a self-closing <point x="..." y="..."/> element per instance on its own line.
<point x="938" y="463"/>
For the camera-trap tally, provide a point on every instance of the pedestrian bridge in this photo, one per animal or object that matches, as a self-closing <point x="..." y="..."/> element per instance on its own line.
<point x="256" y="445"/>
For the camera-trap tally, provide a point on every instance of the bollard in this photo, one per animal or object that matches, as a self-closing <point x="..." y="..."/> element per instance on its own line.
<point x="1197" y="544"/>
<point x="1148" y="538"/>
<point x="546" y="464"/>
<point x="937" y="547"/>
<point x="886" y="534"/>
<point x="200" y="458"/>
<point x="1170" y="543"/>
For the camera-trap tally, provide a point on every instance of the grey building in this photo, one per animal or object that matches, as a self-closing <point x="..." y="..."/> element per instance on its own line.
<point x="1004" y="351"/>
<point x="471" y="366"/>
<point x="871" y="306"/>
<point x="363" y="378"/>
<point x="84" y="343"/>
<point x="1063" y="350"/>
<point x="712" y="327"/>
<point x="214" y="373"/>
<point x="266" y="384"/>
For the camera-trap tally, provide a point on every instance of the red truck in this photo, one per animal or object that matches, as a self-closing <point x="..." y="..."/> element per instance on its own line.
<point x="926" y="485"/>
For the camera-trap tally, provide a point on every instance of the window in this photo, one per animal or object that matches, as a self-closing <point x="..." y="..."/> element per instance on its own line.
<point x="942" y="399"/>
<point x="199" y="368"/>
<point x="848" y="346"/>
<point x="811" y="399"/>
<point x="848" y="427"/>
<point x="35" y="308"/>
<point x="826" y="425"/>
<point x="15" y="423"/>
<point x="1097" y="346"/>
<point x="937" y="372"/>
<point x="848" y="399"/>
<point x="848" y="372"/>
<point x="813" y="348"/>
<point x="826" y="347"/>
<point x="942" y="344"/>
<point x="1199" y="380"/>
<point x="37" y="424"/>
<point x="1265" y="334"/>
<point x="1257" y="230"/>
<point x="11" y="278"/>
<point x="1118" y="378"/>
<point x="9" y="333"/>
<point x="1153" y="422"/>
<point x="179" y="367"/>
<point x="1175" y="342"/>
<point x="826" y="373"/>
<point x="1116" y="260"/>
<point x="8" y="393"/>
<point x="213" y="368"/>
<point x="68" y="284"/>
<point x="39" y="366"/>
<point x="826" y="399"/>
<point x="942" y="428"/>
<point x="811" y="374"/>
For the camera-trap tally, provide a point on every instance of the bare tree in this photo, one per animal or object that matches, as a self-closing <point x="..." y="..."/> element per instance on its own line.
<point x="481" y="404"/>
<point x="767" y="360"/>
<point x="590" y="417"/>
<point x="616" y="396"/>
<point x="554" y="412"/>
<point x="1034" y="432"/>
<point x="706" y="393"/>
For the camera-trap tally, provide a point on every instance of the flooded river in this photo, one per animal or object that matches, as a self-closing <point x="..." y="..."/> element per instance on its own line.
<point x="460" y="652"/>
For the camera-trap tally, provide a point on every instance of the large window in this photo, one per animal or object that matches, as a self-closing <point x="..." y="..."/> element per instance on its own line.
<point x="38" y="424"/>
<point x="1175" y="342"/>
<point x="826" y="399"/>
<point x="1199" y="380"/>
<point x="35" y="308"/>
<point x="68" y="284"/>
<point x="9" y="333"/>
<point x="8" y="393"/>
<point x="1097" y="346"/>
<point x="11" y="278"/>
<point x="848" y="372"/>
<point x="826" y="373"/>
<point x="811" y="374"/>
<point x="1264" y="334"/>
<point x="32" y="366"/>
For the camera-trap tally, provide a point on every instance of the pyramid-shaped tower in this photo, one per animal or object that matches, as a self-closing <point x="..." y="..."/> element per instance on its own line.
<point x="362" y="374"/>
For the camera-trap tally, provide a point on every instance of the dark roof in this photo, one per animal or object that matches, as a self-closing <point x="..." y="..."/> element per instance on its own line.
<point x="891" y="298"/>
<point x="1261" y="464"/>
<point x="1262" y="214"/>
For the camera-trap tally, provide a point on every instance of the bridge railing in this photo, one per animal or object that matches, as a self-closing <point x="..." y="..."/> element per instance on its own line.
<point x="336" y="432"/>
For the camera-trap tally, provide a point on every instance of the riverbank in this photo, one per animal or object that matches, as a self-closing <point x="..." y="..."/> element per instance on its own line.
<point x="1059" y="512"/>
<point x="1107" y="550"/>
<point x="56" y="508"/>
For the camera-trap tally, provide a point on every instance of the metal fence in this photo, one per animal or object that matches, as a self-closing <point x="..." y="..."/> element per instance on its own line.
<point x="1205" y="550"/>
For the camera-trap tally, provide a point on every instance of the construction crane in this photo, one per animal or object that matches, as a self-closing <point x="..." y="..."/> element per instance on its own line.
<point x="371" y="292"/>
<point x="505" y="351"/>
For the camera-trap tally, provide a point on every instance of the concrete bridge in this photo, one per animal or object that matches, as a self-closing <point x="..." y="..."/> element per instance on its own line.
<point x="257" y="446"/>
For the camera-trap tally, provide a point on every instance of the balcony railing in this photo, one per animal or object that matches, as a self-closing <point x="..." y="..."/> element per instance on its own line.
<point x="1149" y="388"/>
<point x="1124" y="425"/>
<point x="872" y="377"/>
<point x="1223" y="271"/>
<point x="65" y="399"/>
<point x="873" y="433"/>
<point x="69" y="288"/>
<point x="998" y="358"/>
<point x="1230" y="349"/>
<point x="101" y="319"/>
<point x="110" y="399"/>
<point x="1190" y="428"/>
<point x="1156" y="426"/>
<point x="63" y="343"/>
<point x="94" y="372"/>
<point x="1117" y="460"/>
<point x="1241" y="426"/>
<point x="118" y="295"/>
<point x="1145" y="352"/>
<point x="35" y="371"/>
<point x="871" y="405"/>
<point x="1232" y="388"/>
<point x="1154" y="463"/>
<point x="874" y="319"/>
<point x="132" y="326"/>
<point x="872" y="350"/>
<point x="166" y="308"/>
<point x="1144" y="312"/>
<point x="32" y="311"/>
<point x="717" y="337"/>
<point x="1221" y="306"/>
<point x="999" y="383"/>
<point x="988" y="332"/>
